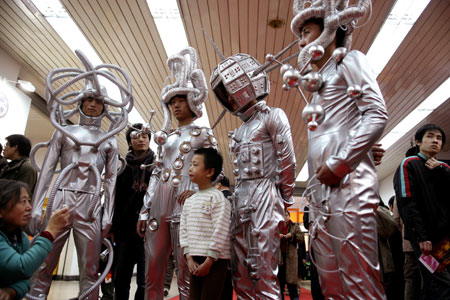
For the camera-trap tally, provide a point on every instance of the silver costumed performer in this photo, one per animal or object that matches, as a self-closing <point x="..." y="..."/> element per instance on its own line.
<point x="83" y="152"/>
<point x="265" y="173"/>
<point x="170" y="176"/>
<point x="346" y="116"/>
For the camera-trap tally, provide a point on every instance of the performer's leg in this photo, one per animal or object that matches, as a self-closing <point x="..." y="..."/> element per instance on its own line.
<point x="87" y="235"/>
<point x="182" y="269"/>
<point x="42" y="278"/>
<point x="157" y="250"/>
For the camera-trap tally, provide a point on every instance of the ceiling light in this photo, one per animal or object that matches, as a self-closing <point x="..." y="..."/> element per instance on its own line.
<point x="303" y="175"/>
<point x="25" y="85"/>
<point x="395" y="28"/>
<point x="433" y="101"/>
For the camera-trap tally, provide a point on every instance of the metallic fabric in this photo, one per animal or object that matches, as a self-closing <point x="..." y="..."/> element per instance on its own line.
<point x="76" y="188"/>
<point x="168" y="180"/>
<point x="344" y="232"/>
<point x="265" y="172"/>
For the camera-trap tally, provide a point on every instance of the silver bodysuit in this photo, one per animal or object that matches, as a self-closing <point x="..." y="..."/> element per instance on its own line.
<point x="77" y="187"/>
<point x="344" y="231"/>
<point x="265" y="180"/>
<point x="168" y="180"/>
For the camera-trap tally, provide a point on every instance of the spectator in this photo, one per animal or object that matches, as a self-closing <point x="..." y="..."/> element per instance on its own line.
<point x="224" y="186"/>
<point x="3" y="161"/>
<point x="421" y="188"/>
<point x="205" y="228"/>
<point x="131" y="187"/>
<point x="290" y="235"/>
<point x="411" y="272"/>
<point x="18" y="260"/>
<point x="17" y="150"/>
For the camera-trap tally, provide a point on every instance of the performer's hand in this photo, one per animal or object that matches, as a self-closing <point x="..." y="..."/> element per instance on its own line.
<point x="141" y="227"/>
<point x="378" y="153"/>
<point x="425" y="247"/>
<point x="432" y="163"/>
<point x="57" y="221"/>
<point x="326" y="176"/>
<point x="192" y="265"/>
<point x="184" y="195"/>
<point x="7" y="294"/>
<point x="204" y="268"/>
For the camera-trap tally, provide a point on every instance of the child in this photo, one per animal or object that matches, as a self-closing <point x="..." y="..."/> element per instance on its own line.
<point x="205" y="228"/>
<point x="17" y="260"/>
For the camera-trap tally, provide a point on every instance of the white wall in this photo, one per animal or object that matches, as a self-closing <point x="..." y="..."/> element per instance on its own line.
<point x="386" y="188"/>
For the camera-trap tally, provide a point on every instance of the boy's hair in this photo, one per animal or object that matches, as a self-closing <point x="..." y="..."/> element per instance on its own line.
<point x="391" y="201"/>
<point x="22" y="142"/>
<point x="225" y="181"/>
<point x="212" y="160"/>
<point x="340" y="33"/>
<point x="428" y="127"/>
<point x="130" y="130"/>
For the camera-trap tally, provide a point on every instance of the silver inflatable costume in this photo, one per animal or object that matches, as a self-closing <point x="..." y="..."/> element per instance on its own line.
<point x="170" y="176"/>
<point x="346" y="116"/>
<point x="83" y="152"/>
<point x="265" y="173"/>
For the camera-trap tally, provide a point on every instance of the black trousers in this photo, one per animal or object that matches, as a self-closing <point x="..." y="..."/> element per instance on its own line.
<point x="129" y="252"/>
<point x="209" y="287"/>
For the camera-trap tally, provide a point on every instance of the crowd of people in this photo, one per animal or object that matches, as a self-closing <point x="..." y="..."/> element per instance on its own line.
<point x="176" y="202"/>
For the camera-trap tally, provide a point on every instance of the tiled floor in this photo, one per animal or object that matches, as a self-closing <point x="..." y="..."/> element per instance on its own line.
<point x="61" y="290"/>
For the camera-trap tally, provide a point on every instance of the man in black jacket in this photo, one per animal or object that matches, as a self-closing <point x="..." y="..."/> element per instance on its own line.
<point x="421" y="187"/>
<point x="130" y="191"/>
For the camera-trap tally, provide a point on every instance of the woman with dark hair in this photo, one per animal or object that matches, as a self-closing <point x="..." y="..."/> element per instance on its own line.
<point x="18" y="260"/>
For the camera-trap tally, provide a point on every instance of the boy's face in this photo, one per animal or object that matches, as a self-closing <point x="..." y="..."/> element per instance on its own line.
<point x="92" y="107"/>
<point x="431" y="143"/>
<point x="180" y="109"/>
<point x="310" y="32"/>
<point x="197" y="171"/>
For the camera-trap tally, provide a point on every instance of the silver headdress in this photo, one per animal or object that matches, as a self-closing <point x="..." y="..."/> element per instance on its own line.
<point x="189" y="80"/>
<point x="63" y="95"/>
<point x="236" y="84"/>
<point x="335" y="14"/>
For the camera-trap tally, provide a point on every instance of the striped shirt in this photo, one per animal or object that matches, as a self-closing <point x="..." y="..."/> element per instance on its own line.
<point x="205" y="225"/>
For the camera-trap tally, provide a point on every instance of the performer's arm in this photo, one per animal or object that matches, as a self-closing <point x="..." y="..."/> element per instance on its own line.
<point x="356" y="71"/>
<point x="109" y="185"/>
<point x="280" y="131"/>
<point x="47" y="170"/>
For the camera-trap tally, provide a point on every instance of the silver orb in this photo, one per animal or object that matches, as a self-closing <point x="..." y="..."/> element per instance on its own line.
<point x="285" y="87"/>
<point x="339" y="53"/>
<point x="153" y="225"/>
<point x="312" y="82"/>
<point x="160" y="137"/>
<point x="292" y="78"/>
<point x="134" y="135"/>
<point x="313" y="115"/>
<point x="146" y="128"/>
<point x="269" y="57"/>
<point x="354" y="91"/>
<point x="316" y="52"/>
<point x="286" y="67"/>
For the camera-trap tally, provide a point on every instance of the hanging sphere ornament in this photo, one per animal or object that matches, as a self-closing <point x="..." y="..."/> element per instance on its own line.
<point x="285" y="67"/>
<point x="285" y="87"/>
<point x="292" y="78"/>
<point x="313" y="115"/>
<point x="160" y="137"/>
<point x="316" y="52"/>
<point x="339" y="53"/>
<point x="312" y="82"/>
<point x="269" y="57"/>
<point x="146" y="128"/>
<point x="354" y="91"/>
<point x="134" y="135"/>
<point x="153" y="225"/>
